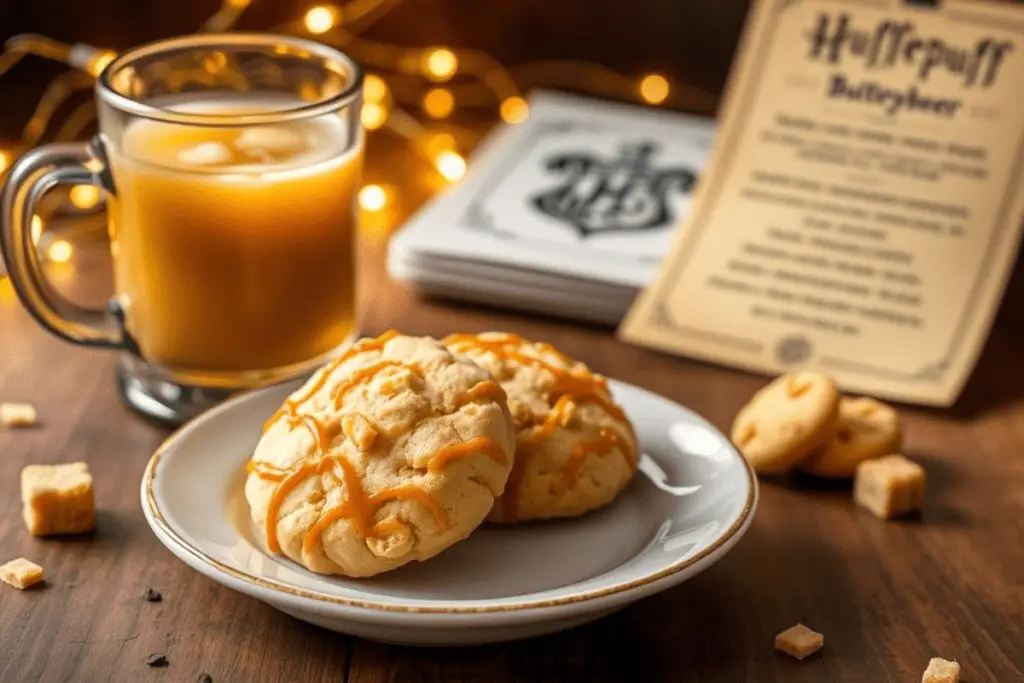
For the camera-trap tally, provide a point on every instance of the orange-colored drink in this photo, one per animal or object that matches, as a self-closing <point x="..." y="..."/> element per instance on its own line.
<point x="234" y="247"/>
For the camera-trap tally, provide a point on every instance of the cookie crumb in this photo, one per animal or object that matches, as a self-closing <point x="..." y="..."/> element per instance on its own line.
<point x="799" y="641"/>
<point x="14" y="415"/>
<point x="152" y="595"/>
<point x="21" y="573"/>
<point x="941" y="671"/>
<point x="157" y="660"/>
<point x="204" y="678"/>
<point x="58" y="499"/>
<point x="889" y="486"/>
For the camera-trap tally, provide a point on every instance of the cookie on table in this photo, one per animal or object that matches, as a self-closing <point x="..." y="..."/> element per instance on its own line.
<point x="576" y="449"/>
<point x="391" y="453"/>
<point x="866" y="429"/>
<point x="786" y="420"/>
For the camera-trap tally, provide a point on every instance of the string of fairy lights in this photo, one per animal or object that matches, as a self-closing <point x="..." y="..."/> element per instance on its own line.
<point x="411" y="92"/>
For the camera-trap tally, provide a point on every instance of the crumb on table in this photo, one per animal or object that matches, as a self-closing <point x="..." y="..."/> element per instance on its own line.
<point x="14" y="415"/>
<point x="889" y="486"/>
<point x="941" y="671"/>
<point x="58" y="499"/>
<point x="21" y="573"/>
<point x="799" y="641"/>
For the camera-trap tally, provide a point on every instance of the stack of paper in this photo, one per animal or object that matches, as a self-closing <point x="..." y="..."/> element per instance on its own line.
<point x="567" y="213"/>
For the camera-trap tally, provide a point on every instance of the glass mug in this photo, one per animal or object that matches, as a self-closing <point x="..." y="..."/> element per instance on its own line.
<point x="230" y="165"/>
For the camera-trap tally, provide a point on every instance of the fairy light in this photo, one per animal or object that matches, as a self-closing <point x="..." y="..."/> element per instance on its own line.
<point x="60" y="252"/>
<point x="654" y="88"/>
<point x="440" y="64"/>
<point x="375" y="88"/>
<point x="435" y="143"/>
<point x="98" y="63"/>
<point x="84" y="196"/>
<point x="451" y="165"/>
<point x="36" y="229"/>
<point x="514" y="110"/>
<point x="405" y="79"/>
<point x="320" y="19"/>
<point x="438" y="103"/>
<point x="373" y="198"/>
<point x="373" y="115"/>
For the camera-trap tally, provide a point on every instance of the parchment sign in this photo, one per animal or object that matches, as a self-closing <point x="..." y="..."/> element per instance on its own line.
<point x="864" y="199"/>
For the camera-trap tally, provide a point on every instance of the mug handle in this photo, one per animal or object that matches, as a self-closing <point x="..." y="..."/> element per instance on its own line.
<point x="29" y="179"/>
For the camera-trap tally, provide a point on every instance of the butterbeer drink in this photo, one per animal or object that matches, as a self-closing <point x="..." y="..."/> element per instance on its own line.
<point x="234" y="246"/>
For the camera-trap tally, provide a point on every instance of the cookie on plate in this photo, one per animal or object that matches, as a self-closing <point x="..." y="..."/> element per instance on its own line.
<point x="575" y="450"/>
<point x="391" y="453"/>
<point x="786" y="420"/>
<point x="866" y="429"/>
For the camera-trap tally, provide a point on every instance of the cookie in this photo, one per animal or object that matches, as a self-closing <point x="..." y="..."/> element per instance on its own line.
<point x="786" y="420"/>
<point x="575" y="450"/>
<point x="391" y="453"/>
<point x="866" y="429"/>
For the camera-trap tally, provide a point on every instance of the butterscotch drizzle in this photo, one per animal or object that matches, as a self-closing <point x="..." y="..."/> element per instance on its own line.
<point x="482" y="391"/>
<point x="568" y="387"/>
<point x="367" y="373"/>
<point x="291" y="406"/>
<point x="606" y="440"/>
<point x="480" y="444"/>
<point x="360" y="509"/>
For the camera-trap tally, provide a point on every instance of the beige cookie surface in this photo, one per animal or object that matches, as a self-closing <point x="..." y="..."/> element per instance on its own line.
<point x="391" y="453"/>
<point x="576" y="449"/>
<point x="786" y="420"/>
<point x="866" y="429"/>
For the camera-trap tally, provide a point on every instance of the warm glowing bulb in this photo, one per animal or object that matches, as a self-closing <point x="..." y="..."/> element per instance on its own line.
<point x="373" y="198"/>
<point x="5" y="160"/>
<point x="100" y="61"/>
<point x="373" y="115"/>
<point x="450" y="165"/>
<point x="435" y="143"/>
<point x="440" y="64"/>
<point x="60" y="252"/>
<point x="375" y="88"/>
<point x="514" y="110"/>
<point x="654" y="88"/>
<point x="320" y="19"/>
<point x="37" y="229"/>
<point x="438" y="103"/>
<point x="238" y="3"/>
<point x="85" y="196"/>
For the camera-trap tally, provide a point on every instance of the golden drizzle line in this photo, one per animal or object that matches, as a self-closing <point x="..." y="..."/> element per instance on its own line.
<point x="291" y="406"/>
<point x="366" y="374"/>
<point x="606" y="440"/>
<point x="480" y="444"/>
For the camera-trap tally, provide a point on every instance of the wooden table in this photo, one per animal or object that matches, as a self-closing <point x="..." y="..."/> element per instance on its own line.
<point x="887" y="596"/>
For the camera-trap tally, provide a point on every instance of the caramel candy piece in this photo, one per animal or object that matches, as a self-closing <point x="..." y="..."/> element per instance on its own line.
<point x="17" y="415"/>
<point x="941" y="671"/>
<point x="359" y="431"/>
<point x="58" y="499"/>
<point x="889" y="486"/>
<point x="21" y="573"/>
<point x="799" y="641"/>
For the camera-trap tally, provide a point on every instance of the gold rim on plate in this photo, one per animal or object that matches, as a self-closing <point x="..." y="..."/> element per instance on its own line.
<point x="197" y="553"/>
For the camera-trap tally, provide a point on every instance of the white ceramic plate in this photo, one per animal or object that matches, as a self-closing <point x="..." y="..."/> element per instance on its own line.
<point x="690" y="503"/>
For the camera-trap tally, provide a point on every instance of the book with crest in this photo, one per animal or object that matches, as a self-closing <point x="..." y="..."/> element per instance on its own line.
<point x="567" y="213"/>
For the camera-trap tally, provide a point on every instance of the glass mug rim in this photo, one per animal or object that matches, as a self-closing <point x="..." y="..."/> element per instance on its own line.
<point x="352" y="91"/>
